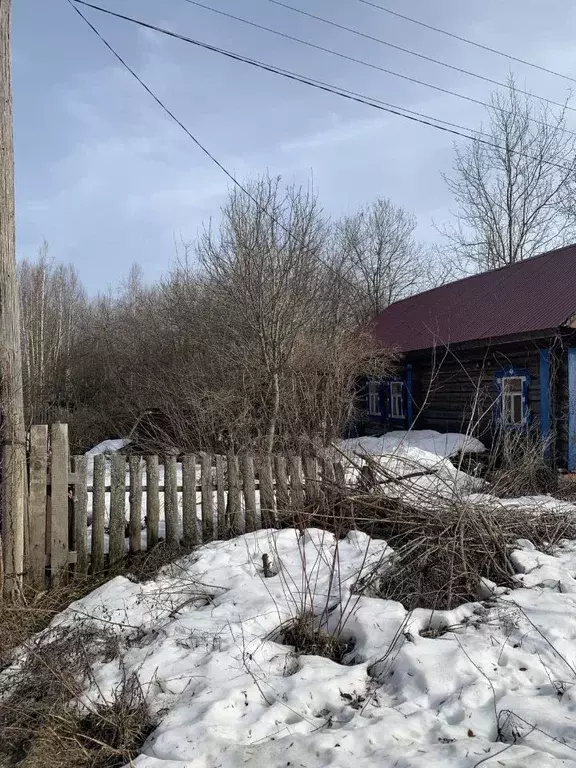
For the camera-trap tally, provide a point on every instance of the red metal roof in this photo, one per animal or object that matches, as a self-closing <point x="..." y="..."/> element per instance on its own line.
<point x="533" y="295"/>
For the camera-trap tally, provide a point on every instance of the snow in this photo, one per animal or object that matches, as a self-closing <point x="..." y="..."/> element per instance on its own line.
<point x="443" y="445"/>
<point x="107" y="447"/>
<point x="491" y="682"/>
<point x="418" y="463"/>
<point x="499" y="687"/>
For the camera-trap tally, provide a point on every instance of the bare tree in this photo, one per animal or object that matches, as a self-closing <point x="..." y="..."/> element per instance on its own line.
<point x="51" y="299"/>
<point x="511" y="185"/>
<point x="380" y="258"/>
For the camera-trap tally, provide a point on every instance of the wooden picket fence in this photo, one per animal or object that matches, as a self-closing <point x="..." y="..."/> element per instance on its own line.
<point x="198" y="499"/>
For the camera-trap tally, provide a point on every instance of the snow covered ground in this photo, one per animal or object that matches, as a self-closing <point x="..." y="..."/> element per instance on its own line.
<point x="495" y="684"/>
<point x="491" y="683"/>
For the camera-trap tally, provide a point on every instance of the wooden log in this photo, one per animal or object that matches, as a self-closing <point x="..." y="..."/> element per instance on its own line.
<point x="135" y="525"/>
<point x="223" y="522"/>
<point x="98" y="514"/>
<point x="249" y="489"/>
<point x="296" y="489"/>
<point x="266" y="477"/>
<point x="117" y="509"/>
<point x="81" y="515"/>
<point x="59" y="529"/>
<point x="282" y="492"/>
<point x="37" y="507"/>
<point x="234" y="505"/>
<point x="152" y="501"/>
<point x="171" y="501"/>
<point x="189" y="521"/>
<point x="207" y="498"/>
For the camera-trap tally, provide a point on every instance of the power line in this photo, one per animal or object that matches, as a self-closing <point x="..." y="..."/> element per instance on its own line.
<point x="350" y="95"/>
<point x="468" y="41"/>
<point x="396" y="47"/>
<point x="169" y="112"/>
<point x="376" y="66"/>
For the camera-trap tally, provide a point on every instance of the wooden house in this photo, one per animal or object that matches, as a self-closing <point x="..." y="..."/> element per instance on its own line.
<point x="489" y="352"/>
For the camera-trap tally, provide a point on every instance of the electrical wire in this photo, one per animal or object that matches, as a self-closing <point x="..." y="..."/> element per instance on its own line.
<point x="377" y="67"/>
<point x="350" y="95"/>
<point x="468" y="41"/>
<point x="396" y="47"/>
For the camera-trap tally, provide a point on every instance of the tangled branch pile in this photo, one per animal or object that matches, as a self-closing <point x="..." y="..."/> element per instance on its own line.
<point x="445" y="546"/>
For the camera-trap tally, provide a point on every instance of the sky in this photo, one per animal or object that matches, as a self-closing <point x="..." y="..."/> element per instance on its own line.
<point x="107" y="179"/>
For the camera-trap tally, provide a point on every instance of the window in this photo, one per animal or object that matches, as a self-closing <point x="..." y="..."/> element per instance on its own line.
<point x="374" y="408"/>
<point x="513" y="405"/>
<point x="396" y="400"/>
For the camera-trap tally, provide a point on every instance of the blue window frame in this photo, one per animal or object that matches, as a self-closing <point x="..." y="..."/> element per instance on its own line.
<point x="396" y="399"/>
<point x="374" y="397"/>
<point x="512" y="409"/>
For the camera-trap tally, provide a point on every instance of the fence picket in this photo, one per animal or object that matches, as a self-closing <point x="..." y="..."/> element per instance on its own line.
<point x="98" y="514"/>
<point x="59" y="513"/>
<point x="135" y="525"/>
<point x="117" y="509"/>
<point x="189" y="522"/>
<point x="81" y="515"/>
<point x="152" y="501"/>
<point x="58" y="519"/>
<point x="311" y="479"/>
<point x="171" y="501"/>
<point x="37" y="506"/>
<point x="207" y="499"/>
<point x="282" y="493"/>
<point x="266" y="491"/>
<point x="234" y="505"/>
<point x="296" y="490"/>
<point x="223" y="522"/>
<point x="249" y="489"/>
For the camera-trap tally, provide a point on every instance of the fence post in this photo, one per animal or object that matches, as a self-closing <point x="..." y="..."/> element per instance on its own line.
<point x="152" y="501"/>
<point x="234" y="506"/>
<point x="98" y="514"/>
<point x="296" y="492"/>
<point x="249" y="482"/>
<point x="117" y="509"/>
<point x="80" y="504"/>
<point x="171" y="501"/>
<point x="135" y="526"/>
<point x="189" y="522"/>
<point x="207" y="499"/>
<point x="59" y="470"/>
<point x="282" y="497"/>
<point x="221" y="498"/>
<point x="266" y="491"/>
<point x="37" y="506"/>
<point x="311" y="471"/>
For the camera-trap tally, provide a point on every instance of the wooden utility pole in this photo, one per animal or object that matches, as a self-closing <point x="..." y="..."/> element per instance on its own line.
<point x="13" y="432"/>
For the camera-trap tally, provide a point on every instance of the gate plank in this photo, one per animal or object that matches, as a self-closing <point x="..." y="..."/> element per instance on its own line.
<point x="37" y="506"/>
<point x="59" y="530"/>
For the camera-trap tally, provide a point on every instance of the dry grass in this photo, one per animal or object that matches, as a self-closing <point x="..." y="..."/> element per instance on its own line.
<point x="517" y="466"/>
<point x="303" y="633"/>
<point x="40" y="724"/>
<point x="443" y="554"/>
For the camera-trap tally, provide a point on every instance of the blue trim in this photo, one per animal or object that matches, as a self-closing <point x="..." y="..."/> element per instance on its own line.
<point x="572" y="409"/>
<point x="497" y="411"/>
<point x="409" y="398"/>
<point x="396" y="420"/>
<point x="545" y="399"/>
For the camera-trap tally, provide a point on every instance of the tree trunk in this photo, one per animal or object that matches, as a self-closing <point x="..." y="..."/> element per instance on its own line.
<point x="11" y="391"/>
